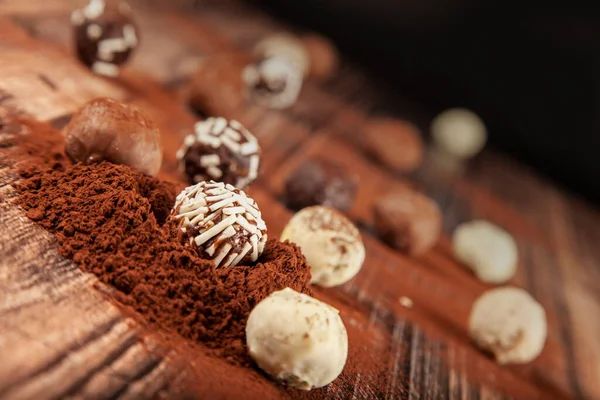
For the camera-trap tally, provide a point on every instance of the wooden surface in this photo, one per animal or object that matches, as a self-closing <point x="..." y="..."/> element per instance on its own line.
<point x="425" y="351"/>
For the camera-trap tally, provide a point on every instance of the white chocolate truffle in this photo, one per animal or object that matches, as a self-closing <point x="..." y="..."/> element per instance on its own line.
<point x="331" y="244"/>
<point x="297" y="339"/>
<point x="221" y="221"/>
<point x="509" y="323"/>
<point x="286" y="46"/>
<point x="274" y="82"/>
<point x="488" y="250"/>
<point x="459" y="133"/>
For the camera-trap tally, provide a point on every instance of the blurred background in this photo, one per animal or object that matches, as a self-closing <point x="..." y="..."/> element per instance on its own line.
<point x="531" y="73"/>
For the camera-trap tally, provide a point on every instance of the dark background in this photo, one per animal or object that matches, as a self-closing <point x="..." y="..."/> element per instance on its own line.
<point x="531" y="72"/>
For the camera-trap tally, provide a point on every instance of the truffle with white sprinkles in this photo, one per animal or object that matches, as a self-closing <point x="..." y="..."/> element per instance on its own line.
<point x="221" y="221"/>
<point x="105" y="36"/>
<point x="273" y="82"/>
<point x="220" y="150"/>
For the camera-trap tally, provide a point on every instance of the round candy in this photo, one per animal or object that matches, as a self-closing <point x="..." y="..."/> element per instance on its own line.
<point x="324" y="57"/>
<point x="509" y="323"/>
<point x="488" y="250"/>
<point x="106" y="129"/>
<point x="222" y="222"/>
<point x="273" y="82"/>
<point x="105" y="36"/>
<point x="331" y="244"/>
<point x="297" y="339"/>
<point x="220" y="150"/>
<point x="459" y="133"/>
<point x="320" y="182"/>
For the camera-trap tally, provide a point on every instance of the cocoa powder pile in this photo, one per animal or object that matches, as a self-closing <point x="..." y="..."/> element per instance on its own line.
<point x="113" y="222"/>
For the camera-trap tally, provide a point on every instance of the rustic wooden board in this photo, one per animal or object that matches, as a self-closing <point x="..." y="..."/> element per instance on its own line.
<point x="429" y="351"/>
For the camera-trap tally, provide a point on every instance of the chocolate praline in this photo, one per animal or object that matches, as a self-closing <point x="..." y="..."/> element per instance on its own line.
<point x="105" y="35"/>
<point x="320" y="182"/>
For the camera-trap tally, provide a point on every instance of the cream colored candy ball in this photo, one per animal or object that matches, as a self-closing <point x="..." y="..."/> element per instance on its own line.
<point x="459" y="133"/>
<point x="297" y="339"/>
<point x="509" y="323"/>
<point x="331" y="244"/>
<point x="489" y="251"/>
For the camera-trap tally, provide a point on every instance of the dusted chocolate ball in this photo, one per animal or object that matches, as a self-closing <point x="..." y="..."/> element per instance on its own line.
<point x="408" y="221"/>
<point x="220" y="150"/>
<point x="330" y="242"/>
<point x="395" y="144"/>
<point x="217" y="87"/>
<point x="221" y="222"/>
<point x="324" y="58"/>
<point x="321" y="182"/>
<point x="106" y="129"/>
<point x="273" y="82"/>
<point x="105" y="35"/>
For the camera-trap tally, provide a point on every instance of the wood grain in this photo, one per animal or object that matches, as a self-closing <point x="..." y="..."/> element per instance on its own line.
<point x="427" y="350"/>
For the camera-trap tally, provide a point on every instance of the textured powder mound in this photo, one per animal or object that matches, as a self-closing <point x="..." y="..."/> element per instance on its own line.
<point x="110" y="220"/>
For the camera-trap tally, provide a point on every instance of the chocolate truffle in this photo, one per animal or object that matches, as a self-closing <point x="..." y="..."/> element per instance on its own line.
<point x="331" y="244"/>
<point x="487" y="249"/>
<point x="105" y="35"/>
<point x="106" y="129"/>
<point x="221" y="222"/>
<point x="297" y="339"/>
<point x="319" y="181"/>
<point x="395" y="144"/>
<point x="459" y="133"/>
<point x="509" y="323"/>
<point x="273" y="82"/>
<point x="286" y="46"/>
<point x="407" y="220"/>
<point x="324" y="58"/>
<point x="220" y="150"/>
<point x="217" y="87"/>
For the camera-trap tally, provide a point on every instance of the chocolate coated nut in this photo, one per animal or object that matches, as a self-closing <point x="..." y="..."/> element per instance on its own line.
<point x="217" y="87"/>
<point x="321" y="182"/>
<point x="408" y="220"/>
<point x="395" y="144"/>
<point x="323" y="55"/>
<point x="106" y="129"/>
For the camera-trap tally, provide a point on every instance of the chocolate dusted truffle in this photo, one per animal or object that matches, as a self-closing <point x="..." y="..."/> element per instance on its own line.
<point x="393" y="143"/>
<point x="273" y="82"/>
<point x="330" y="242"/>
<point x="408" y="221"/>
<point x="324" y="57"/>
<point x="320" y="182"/>
<point x="220" y="150"/>
<point x="106" y="129"/>
<point x="105" y="35"/>
<point x="222" y="222"/>
<point x="217" y="87"/>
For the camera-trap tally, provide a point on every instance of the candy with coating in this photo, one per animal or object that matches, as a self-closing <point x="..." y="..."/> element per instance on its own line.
<point x="106" y="129"/>
<point x="105" y="35"/>
<point x="297" y="339"/>
<point x="220" y="150"/>
<point x="331" y="244"/>
<point x="222" y="222"/>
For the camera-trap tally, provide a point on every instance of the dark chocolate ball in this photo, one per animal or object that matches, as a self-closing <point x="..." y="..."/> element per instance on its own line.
<point x="323" y="182"/>
<point x="105" y="35"/>
<point x="220" y="150"/>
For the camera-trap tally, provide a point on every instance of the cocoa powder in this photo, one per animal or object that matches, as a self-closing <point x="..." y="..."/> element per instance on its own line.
<point x="112" y="221"/>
